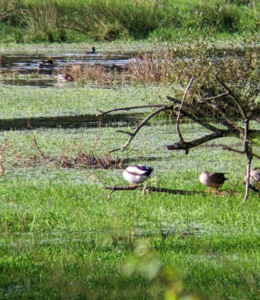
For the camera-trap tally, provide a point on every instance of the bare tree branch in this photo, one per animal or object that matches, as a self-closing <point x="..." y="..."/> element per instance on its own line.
<point x="233" y="96"/>
<point x="248" y="151"/>
<point x="198" y="115"/>
<point x="230" y="124"/>
<point x="139" y="127"/>
<point x="188" y="145"/>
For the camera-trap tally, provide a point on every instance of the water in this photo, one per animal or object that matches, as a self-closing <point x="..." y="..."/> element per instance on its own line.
<point x="76" y="121"/>
<point x="19" y="65"/>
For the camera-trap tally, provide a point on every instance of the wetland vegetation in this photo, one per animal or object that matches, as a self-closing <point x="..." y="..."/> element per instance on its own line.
<point x="25" y="21"/>
<point x="63" y="236"/>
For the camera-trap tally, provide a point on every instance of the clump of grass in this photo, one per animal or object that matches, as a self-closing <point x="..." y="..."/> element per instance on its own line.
<point x="218" y="16"/>
<point x="104" y="76"/>
<point x="101" y="20"/>
<point x="10" y="12"/>
<point x="90" y="161"/>
<point x="84" y="160"/>
<point x="43" y="21"/>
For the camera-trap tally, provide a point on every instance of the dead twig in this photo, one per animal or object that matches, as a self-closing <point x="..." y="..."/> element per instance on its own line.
<point x="102" y="113"/>
<point x="38" y="148"/>
<point x="180" y="111"/>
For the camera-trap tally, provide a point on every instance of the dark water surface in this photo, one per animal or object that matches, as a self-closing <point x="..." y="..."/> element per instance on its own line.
<point x="23" y="64"/>
<point x="76" y="121"/>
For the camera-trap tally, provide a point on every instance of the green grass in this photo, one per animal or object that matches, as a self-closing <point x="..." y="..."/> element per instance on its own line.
<point x="62" y="238"/>
<point x="24" y="102"/>
<point x="75" y="21"/>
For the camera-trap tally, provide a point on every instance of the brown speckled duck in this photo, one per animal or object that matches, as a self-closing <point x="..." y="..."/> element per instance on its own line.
<point x="254" y="179"/>
<point x="212" y="180"/>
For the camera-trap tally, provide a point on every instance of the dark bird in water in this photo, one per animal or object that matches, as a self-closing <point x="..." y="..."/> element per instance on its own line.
<point x="137" y="174"/>
<point x="212" y="180"/>
<point x="45" y="64"/>
<point x="93" y="51"/>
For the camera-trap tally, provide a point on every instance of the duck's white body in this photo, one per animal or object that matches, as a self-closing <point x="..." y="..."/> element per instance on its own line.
<point x="61" y="78"/>
<point x="137" y="174"/>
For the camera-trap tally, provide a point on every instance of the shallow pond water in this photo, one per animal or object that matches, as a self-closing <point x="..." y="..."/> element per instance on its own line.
<point x="23" y="64"/>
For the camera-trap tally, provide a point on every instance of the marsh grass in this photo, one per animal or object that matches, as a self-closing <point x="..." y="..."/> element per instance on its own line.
<point x="176" y="65"/>
<point x="27" y="103"/>
<point x="111" y="20"/>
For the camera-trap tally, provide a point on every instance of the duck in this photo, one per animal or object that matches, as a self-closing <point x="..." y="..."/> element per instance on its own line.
<point x="254" y="179"/>
<point x="137" y="174"/>
<point x="45" y="64"/>
<point x="93" y="51"/>
<point x="212" y="180"/>
<point x="64" y="78"/>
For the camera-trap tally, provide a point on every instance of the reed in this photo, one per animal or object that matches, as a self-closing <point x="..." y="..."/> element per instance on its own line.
<point x="101" y="20"/>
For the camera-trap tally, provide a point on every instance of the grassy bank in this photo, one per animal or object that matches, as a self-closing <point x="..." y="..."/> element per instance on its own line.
<point x="62" y="238"/>
<point x="25" y="21"/>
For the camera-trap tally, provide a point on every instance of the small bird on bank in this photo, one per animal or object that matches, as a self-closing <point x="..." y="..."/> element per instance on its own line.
<point x="137" y="174"/>
<point x="93" y="51"/>
<point x="212" y="180"/>
<point x="61" y="78"/>
<point x="254" y="179"/>
<point x="45" y="64"/>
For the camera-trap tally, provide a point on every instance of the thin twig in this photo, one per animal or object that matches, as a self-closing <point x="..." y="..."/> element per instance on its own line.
<point x="38" y="148"/>
<point x="127" y="109"/>
<point x="248" y="151"/>
<point x="233" y="97"/>
<point x="214" y="97"/>
<point x="180" y="109"/>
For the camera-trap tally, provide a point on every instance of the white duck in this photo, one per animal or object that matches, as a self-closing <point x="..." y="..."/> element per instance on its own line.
<point x="61" y="78"/>
<point x="137" y="174"/>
